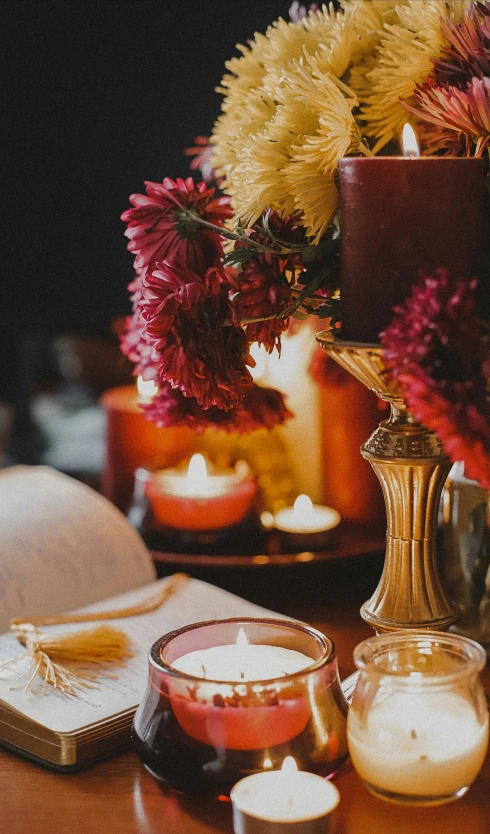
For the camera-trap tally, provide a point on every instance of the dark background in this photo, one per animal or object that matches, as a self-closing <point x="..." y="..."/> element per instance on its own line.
<point x="96" y="97"/>
<point x="99" y="96"/>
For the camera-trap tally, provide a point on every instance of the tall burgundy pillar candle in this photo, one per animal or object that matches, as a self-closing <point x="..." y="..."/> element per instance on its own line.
<point x="400" y="215"/>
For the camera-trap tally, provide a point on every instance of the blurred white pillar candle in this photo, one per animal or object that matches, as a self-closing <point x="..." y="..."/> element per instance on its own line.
<point x="289" y="373"/>
<point x="285" y="800"/>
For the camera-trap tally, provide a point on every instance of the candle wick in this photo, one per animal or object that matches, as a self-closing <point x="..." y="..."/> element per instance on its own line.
<point x="203" y="670"/>
<point x="413" y="734"/>
<point x="242" y="676"/>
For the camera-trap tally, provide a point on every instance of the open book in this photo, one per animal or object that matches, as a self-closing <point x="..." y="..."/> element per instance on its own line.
<point x="64" y="547"/>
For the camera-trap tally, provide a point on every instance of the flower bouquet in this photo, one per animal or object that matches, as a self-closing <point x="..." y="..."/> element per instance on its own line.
<point x="219" y="270"/>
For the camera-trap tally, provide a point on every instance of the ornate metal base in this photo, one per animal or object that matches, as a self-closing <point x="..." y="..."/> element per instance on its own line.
<point x="411" y="467"/>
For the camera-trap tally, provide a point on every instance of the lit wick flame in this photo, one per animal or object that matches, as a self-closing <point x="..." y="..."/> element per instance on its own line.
<point x="241" y="640"/>
<point x="147" y="388"/>
<point x="289" y="770"/>
<point x="302" y="509"/>
<point x="409" y="142"/>
<point x="197" y="476"/>
<point x="289" y="766"/>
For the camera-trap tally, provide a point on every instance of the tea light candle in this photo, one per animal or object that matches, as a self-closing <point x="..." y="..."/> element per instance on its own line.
<point x="285" y="800"/>
<point x="305" y="518"/>
<point x="239" y="663"/>
<point x="197" y="500"/>
<point x="420" y="744"/>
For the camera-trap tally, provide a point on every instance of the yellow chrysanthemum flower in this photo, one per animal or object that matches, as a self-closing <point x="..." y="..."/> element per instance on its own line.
<point x="402" y="61"/>
<point x="292" y="112"/>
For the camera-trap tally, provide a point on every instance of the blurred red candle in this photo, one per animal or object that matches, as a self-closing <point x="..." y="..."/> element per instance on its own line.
<point x="133" y="441"/>
<point x="196" y="500"/>
<point x="401" y="215"/>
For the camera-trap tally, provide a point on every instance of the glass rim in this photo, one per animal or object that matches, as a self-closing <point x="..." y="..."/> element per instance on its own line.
<point x="329" y="651"/>
<point x="474" y="654"/>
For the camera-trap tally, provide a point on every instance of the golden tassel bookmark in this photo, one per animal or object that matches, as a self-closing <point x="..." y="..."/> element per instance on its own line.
<point x="75" y="661"/>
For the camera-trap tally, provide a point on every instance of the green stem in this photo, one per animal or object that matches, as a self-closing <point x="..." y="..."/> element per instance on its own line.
<point x="243" y="238"/>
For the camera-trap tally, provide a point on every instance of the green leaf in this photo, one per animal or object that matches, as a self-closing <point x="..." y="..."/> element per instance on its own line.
<point x="238" y="256"/>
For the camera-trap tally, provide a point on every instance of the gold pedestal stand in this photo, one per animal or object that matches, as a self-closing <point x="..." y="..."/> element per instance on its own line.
<point x="411" y="467"/>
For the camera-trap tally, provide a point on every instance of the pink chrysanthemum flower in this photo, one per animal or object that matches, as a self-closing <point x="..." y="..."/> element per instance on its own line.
<point x="133" y="342"/>
<point x="260" y="408"/>
<point x="462" y="113"/>
<point x="436" y="349"/>
<point x="184" y="317"/>
<point x="202" y="152"/>
<point x="467" y="54"/>
<point x="161" y="225"/>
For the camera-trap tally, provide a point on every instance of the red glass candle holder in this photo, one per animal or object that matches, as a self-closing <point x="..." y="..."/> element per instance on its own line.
<point x="201" y="735"/>
<point x="195" y="512"/>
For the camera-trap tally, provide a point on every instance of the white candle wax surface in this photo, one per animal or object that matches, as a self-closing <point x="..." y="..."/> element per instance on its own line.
<point x="197" y="482"/>
<point x="420" y="744"/>
<point x="305" y="517"/>
<point x="286" y="795"/>
<point x="241" y="662"/>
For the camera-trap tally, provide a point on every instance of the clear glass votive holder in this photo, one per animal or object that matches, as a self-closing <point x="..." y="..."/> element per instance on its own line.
<point x="418" y="722"/>
<point x="202" y="734"/>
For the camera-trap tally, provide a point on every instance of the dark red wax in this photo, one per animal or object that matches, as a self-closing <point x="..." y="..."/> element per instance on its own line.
<point x="399" y="216"/>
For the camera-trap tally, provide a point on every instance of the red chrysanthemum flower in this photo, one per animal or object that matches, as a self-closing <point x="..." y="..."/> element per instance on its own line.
<point x="263" y="290"/>
<point x="161" y="225"/>
<point x="462" y="427"/>
<point x="184" y="317"/>
<point x="437" y="350"/>
<point x="260" y="408"/>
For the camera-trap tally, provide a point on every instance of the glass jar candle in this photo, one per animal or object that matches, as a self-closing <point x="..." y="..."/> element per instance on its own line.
<point x="228" y="698"/>
<point x="418" y="721"/>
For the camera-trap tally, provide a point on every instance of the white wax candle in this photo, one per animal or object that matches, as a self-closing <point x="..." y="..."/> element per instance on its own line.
<point x="286" y="795"/>
<point x="242" y="661"/>
<point x="421" y="744"/>
<point x="305" y="517"/>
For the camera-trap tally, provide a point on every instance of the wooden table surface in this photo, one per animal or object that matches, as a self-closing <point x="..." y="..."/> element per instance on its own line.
<point x="118" y="795"/>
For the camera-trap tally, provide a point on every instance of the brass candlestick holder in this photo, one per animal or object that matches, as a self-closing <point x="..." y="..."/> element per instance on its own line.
<point x="411" y="467"/>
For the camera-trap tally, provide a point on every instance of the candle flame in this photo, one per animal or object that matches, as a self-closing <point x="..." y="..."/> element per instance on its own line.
<point x="147" y="388"/>
<point x="409" y="141"/>
<point x="267" y="762"/>
<point x="302" y="508"/>
<point x="289" y="766"/>
<point x="241" y="640"/>
<point x="197" y="476"/>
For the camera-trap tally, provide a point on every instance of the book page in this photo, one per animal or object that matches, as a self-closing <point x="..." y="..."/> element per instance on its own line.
<point x="62" y="545"/>
<point x="195" y="602"/>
